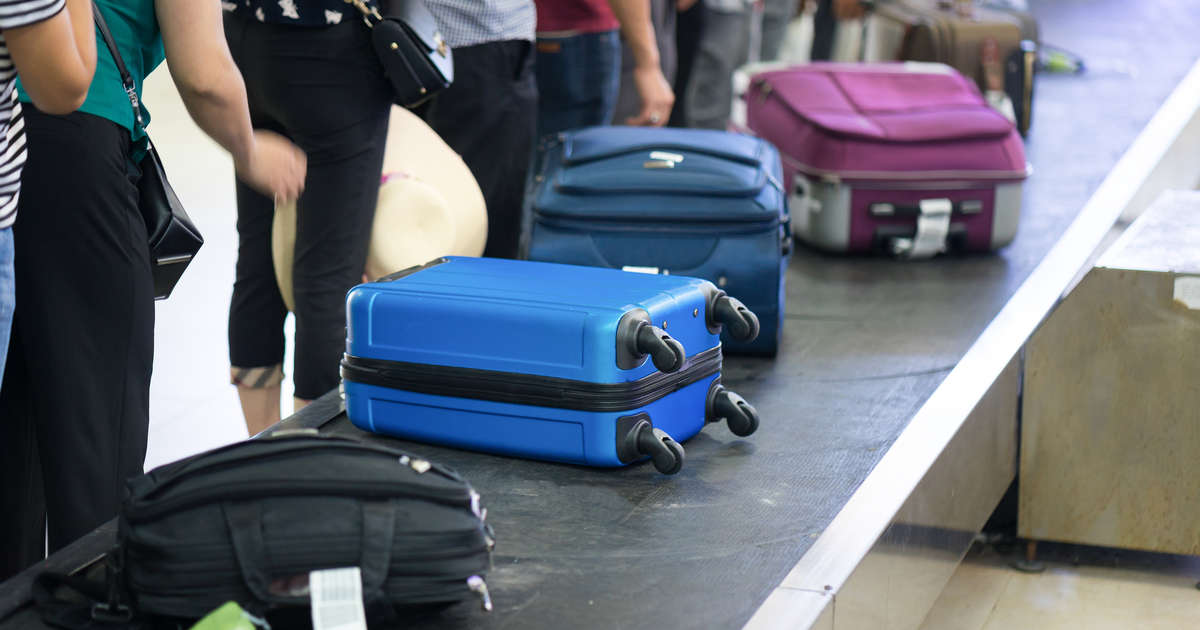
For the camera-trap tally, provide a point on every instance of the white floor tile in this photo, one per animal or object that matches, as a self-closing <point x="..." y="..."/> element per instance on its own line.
<point x="985" y="594"/>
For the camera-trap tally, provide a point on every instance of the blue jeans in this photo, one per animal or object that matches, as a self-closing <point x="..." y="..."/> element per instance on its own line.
<point x="578" y="79"/>
<point x="8" y="295"/>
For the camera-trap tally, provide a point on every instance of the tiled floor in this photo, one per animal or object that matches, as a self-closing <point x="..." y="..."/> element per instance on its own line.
<point x="192" y="405"/>
<point x="1081" y="588"/>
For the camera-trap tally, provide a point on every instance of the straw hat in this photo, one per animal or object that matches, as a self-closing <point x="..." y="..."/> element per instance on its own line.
<point x="429" y="205"/>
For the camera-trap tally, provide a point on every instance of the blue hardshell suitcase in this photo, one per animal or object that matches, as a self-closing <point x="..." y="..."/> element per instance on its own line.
<point x="545" y="361"/>
<point x="687" y="202"/>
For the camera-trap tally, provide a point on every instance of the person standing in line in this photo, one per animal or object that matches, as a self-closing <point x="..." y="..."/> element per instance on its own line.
<point x="74" y="405"/>
<point x="825" y="21"/>
<point x="663" y="15"/>
<point x="579" y="64"/>
<point x="50" y="44"/>
<point x="312" y="76"/>
<point x="689" y="27"/>
<point x="488" y="115"/>
<point x="726" y="45"/>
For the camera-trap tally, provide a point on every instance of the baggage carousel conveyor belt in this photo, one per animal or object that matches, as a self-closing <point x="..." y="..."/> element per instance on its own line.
<point x="867" y="342"/>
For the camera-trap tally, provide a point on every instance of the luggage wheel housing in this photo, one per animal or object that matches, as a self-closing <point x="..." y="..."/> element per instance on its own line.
<point x="637" y="438"/>
<point x="723" y="404"/>
<point x="637" y="337"/>
<point x="724" y="310"/>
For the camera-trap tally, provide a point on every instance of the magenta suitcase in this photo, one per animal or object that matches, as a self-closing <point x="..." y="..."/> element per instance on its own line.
<point x="903" y="158"/>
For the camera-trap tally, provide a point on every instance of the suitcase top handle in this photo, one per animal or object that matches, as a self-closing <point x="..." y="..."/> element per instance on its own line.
<point x="570" y="159"/>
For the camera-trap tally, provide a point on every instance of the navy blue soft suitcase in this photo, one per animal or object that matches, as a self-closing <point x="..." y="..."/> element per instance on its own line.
<point x="687" y="202"/>
<point x="546" y="361"/>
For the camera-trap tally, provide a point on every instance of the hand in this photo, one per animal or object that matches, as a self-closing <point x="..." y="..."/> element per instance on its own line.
<point x="684" y="5"/>
<point x="847" y="9"/>
<point x="274" y="167"/>
<point x="657" y="97"/>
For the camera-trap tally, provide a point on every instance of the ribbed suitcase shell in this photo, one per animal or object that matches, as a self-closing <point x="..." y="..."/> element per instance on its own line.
<point x="489" y="323"/>
<point x="856" y="135"/>
<point x="692" y="202"/>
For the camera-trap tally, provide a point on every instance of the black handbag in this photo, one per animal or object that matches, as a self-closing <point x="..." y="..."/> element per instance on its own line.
<point x="249" y="521"/>
<point x="173" y="238"/>
<point x="415" y="57"/>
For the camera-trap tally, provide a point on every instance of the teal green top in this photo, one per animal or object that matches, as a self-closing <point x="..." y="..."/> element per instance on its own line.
<point x="134" y="26"/>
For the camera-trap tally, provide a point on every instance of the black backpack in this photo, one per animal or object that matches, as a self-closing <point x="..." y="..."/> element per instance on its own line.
<point x="247" y="523"/>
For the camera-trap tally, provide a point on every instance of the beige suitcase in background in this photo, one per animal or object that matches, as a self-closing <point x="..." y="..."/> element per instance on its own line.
<point x="939" y="31"/>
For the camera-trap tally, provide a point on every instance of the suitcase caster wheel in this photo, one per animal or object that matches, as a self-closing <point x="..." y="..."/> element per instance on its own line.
<point x="666" y="352"/>
<point x="740" y="415"/>
<point x="665" y="453"/>
<point x="731" y="313"/>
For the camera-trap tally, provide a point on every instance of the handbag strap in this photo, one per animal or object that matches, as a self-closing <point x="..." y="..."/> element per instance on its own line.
<point x="126" y="78"/>
<point x="95" y="605"/>
<point x="369" y="10"/>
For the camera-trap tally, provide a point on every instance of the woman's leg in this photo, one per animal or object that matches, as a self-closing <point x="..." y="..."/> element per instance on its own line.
<point x="256" y="310"/>
<point x="335" y="107"/>
<point x="256" y="315"/>
<point x="84" y="317"/>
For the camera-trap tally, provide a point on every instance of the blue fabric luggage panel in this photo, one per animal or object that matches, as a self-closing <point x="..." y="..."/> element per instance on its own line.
<point x="557" y="362"/>
<point x="688" y="202"/>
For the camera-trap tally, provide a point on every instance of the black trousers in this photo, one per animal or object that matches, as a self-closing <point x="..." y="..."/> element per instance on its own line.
<point x="824" y="28"/>
<point x="489" y="117"/>
<point x="75" y="398"/>
<point x="324" y="89"/>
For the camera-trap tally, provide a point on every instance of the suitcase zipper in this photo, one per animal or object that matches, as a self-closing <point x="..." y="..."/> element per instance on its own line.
<point x="893" y="176"/>
<point x="528" y="389"/>
<point x="398" y="488"/>
<point x="151" y="510"/>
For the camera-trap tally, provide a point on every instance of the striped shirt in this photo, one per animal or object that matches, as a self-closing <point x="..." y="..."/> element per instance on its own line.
<point x="13" y="14"/>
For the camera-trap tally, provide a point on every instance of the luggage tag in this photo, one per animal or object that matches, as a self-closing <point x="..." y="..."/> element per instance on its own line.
<point x="933" y="225"/>
<point x="654" y="271"/>
<point x="337" y="599"/>
<point x="1187" y="292"/>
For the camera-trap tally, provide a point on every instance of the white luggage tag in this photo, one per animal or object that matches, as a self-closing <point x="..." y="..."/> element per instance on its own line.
<point x="337" y="599"/>
<point x="933" y="225"/>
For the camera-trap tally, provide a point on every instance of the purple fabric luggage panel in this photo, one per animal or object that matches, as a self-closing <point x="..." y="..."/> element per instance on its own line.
<point x="903" y="158"/>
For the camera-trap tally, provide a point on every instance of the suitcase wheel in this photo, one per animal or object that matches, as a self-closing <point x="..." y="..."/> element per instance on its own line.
<point x="665" y="453"/>
<point x="665" y="351"/>
<point x="637" y="337"/>
<point x="740" y="415"/>
<point x="731" y="313"/>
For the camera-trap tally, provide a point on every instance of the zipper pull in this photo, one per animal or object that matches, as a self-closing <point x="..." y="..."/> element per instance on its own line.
<point x="475" y="506"/>
<point x="479" y="587"/>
